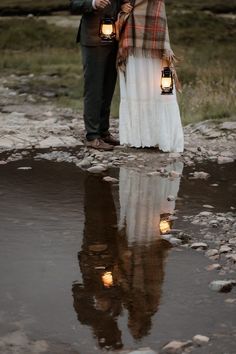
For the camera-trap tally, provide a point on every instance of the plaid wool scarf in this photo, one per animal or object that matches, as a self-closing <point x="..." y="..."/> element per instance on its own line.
<point x="144" y="30"/>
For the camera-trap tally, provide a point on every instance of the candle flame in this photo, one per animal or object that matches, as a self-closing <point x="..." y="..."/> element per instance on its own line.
<point x="166" y="82"/>
<point x="107" y="29"/>
<point x="107" y="279"/>
<point x="165" y="226"/>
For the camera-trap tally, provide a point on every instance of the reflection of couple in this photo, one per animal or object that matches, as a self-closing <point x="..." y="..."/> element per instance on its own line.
<point x="147" y="118"/>
<point x="122" y="268"/>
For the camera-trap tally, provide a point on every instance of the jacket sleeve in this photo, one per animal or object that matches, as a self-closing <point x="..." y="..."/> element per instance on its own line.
<point x="81" y="6"/>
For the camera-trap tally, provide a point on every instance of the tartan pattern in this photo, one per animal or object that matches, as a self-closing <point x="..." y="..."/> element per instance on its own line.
<point x="145" y="29"/>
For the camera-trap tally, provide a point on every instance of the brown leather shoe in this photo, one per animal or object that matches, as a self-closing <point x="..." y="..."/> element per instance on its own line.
<point x="99" y="144"/>
<point x="109" y="139"/>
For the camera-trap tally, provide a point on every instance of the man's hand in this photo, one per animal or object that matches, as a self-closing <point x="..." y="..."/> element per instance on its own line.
<point x="101" y="4"/>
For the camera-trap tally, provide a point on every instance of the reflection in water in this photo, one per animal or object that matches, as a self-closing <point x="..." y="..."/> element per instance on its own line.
<point x="97" y="305"/>
<point x="123" y="268"/>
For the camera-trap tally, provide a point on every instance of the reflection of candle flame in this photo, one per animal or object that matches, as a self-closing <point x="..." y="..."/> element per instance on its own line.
<point x="107" y="279"/>
<point x="107" y="29"/>
<point x="164" y="226"/>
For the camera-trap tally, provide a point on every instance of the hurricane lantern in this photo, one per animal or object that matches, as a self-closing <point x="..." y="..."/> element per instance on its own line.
<point x="167" y="82"/>
<point x="107" y="31"/>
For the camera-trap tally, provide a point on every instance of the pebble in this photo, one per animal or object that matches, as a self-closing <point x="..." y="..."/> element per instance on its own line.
<point x="85" y="163"/>
<point x="225" y="249"/>
<point x="223" y="286"/>
<point x="199" y="245"/>
<point x="215" y="266"/>
<point x="110" y="179"/>
<point x="228" y="126"/>
<point x="175" y="241"/>
<point x="208" y="206"/>
<point x="175" y="347"/>
<point x="230" y="301"/>
<point x="212" y="252"/>
<point x="200" y="340"/>
<point x="97" y="169"/>
<point x="223" y="159"/>
<point x="200" y="175"/>
<point x="205" y="213"/>
<point x="232" y="241"/>
<point x="51" y="141"/>
<point x="24" y="168"/>
<point x="233" y="257"/>
<point x="174" y="174"/>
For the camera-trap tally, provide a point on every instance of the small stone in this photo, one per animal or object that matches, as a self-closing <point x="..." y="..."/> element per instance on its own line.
<point x="174" y="154"/>
<point x="175" y="347"/>
<point x="230" y="301"/>
<point x="175" y="241"/>
<point x="51" y="141"/>
<point x="222" y="160"/>
<point x="199" y="245"/>
<point x="225" y="249"/>
<point x="205" y="213"/>
<point x="228" y="126"/>
<point x="212" y="252"/>
<point x="24" y="168"/>
<point x="200" y="340"/>
<point x="233" y="257"/>
<point x="232" y="241"/>
<point x="208" y="206"/>
<point x="85" y="163"/>
<point x="174" y="174"/>
<point x="110" y="179"/>
<point x="223" y="286"/>
<point x="166" y="237"/>
<point x="215" y="266"/>
<point x="200" y="175"/>
<point x="97" y="169"/>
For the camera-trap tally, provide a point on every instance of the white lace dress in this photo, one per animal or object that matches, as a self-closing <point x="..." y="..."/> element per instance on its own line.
<point x="148" y="118"/>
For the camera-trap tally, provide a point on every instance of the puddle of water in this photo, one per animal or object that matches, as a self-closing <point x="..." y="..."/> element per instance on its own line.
<point x="82" y="266"/>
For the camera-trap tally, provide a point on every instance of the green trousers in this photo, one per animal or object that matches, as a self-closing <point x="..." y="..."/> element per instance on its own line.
<point x="99" y="65"/>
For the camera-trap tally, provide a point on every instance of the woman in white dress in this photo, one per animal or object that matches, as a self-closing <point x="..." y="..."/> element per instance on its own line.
<point x="147" y="118"/>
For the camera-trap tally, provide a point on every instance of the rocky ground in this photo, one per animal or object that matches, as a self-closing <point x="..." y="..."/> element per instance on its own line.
<point x="32" y="126"/>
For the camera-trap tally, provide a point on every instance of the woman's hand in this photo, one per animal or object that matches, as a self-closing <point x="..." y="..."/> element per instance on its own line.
<point x="127" y="7"/>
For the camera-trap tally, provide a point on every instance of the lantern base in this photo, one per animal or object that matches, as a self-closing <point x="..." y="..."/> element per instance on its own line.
<point x="107" y="39"/>
<point x="167" y="93"/>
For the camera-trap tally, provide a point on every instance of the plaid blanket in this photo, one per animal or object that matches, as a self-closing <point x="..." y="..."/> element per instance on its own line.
<point x="144" y="29"/>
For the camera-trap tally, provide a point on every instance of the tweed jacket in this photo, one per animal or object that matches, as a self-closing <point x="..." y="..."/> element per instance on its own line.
<point x="88" y="33"/>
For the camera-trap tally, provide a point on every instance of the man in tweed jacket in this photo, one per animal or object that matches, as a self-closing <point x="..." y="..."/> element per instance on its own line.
<point x="99" y="65"/>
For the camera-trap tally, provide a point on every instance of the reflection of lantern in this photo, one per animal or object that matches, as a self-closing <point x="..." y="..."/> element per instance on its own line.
<point x="107" y="30"/>
<point x="166" y="81"/>
<point x="164" y="226"/>
<point x="107" y="279"/>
